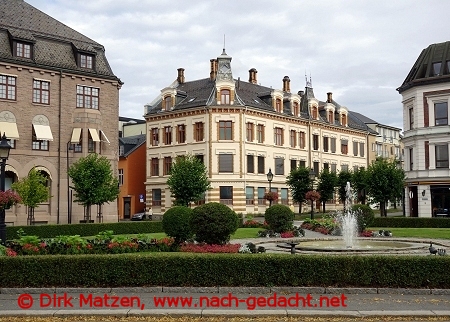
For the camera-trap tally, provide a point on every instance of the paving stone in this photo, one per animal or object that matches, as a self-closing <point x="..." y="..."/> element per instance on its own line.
<point x="78" y="290"/>
<point x="418" y="313"/>
<point x="166" y="312"/>
<point x="174" y="289"/>
<point x="334" y="313"/>
<point x="152" y="289"/>
<point x="298" y="290"/>
<point x="409" y="291"/>
<point x="246" y="313"/>
<point x="244" y="289"/>
<point x="440" y="291"/>
<point x="26" y="290"/>
<point x="96" y="312"/>
<point x="350" y="290"/>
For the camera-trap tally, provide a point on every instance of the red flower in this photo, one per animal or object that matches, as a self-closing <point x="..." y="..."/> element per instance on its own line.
<point x="271" y="196"/>
<point x="312" y="195"/>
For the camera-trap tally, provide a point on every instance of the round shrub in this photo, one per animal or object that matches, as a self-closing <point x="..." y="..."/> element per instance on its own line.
<point x="213" y="223"/>
<point x="279" y="218"/>
<point x="364" y="216"/>
<point x="176" y="223"/>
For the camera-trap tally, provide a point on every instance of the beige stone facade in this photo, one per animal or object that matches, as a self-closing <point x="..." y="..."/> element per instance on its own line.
<point x="241" y="130"/>
<point x="54" y="111"/>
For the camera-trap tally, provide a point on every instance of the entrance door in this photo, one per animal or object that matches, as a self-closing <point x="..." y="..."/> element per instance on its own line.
<point x="413" y="202"/>
<point x="126" y="207"/>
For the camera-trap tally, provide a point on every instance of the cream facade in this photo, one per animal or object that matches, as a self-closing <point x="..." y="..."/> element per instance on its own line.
<point x="240" y="130"/>
<point x="426" y="97"/>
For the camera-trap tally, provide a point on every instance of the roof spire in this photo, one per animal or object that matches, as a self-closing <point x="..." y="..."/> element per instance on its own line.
<point x="223" y="52"/>
<point x="308" y="83"/>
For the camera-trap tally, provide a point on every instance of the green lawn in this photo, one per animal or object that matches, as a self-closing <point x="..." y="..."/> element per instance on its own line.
<point x="441" y="233"/>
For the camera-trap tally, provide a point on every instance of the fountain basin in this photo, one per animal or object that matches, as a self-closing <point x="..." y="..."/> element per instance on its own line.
<point x="361" y="245"/>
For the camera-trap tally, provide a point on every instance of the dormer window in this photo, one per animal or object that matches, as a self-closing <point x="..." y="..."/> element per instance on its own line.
<point x="344" y="120"/>
<point x="295" y="109"/>
<point x="278" y="105"/>
<point x="330" y="117"/>
<point x="436" y="69"/>
<point x="167" y="103"/>
<point x="22" y="49"/>
<point x="85" y="61"/>
<point x="314" y="112"/>
<point x="225" y="96"/>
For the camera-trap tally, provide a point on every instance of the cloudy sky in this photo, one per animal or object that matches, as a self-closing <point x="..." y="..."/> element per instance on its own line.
<point x="361" y="51"/>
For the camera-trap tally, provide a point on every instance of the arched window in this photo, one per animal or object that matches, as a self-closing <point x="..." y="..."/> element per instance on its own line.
<point x="295" y="109"/>
<point x="278" y="105"/>
<point x="225" y="96"/>
<point x="344" y="120"/>
<point x="167" y="104"/>
<point x="314" y="112"/>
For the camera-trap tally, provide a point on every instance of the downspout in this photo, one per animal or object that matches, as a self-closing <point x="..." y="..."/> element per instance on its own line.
<point x="244" y="161"/>
<point x="59" y="149"/>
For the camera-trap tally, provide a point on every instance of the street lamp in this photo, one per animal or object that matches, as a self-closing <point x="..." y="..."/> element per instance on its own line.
<point x="312" y="177"/>
<point x="270" y="178"/>
<point x="69" y="192"/>
<point x="4" y="154"/>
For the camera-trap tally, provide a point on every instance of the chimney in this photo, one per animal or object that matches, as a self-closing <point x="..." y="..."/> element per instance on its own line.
<point x="213" y="69"/>
<point x="180" y="77"/>
<point x="286" y="84"/>
<point x="252" y="76"/>
<point x="329" y="97"/>
<point x="301" y="93"/>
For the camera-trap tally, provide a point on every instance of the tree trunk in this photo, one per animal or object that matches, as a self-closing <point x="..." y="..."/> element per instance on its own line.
<point x="323" y="206"/>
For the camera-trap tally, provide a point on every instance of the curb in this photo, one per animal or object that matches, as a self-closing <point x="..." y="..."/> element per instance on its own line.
<point x="226" y="289"/>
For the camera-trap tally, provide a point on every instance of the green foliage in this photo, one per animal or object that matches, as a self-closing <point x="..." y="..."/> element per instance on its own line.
<point x="32" y="189"/>
<point x="359" y="184"/>
<point x="224" y="270"/>
<point x="50" y="231"/>
<point x="279" y="218"/>
<point x="326" y="186"/>
<point x="188" y="180"/>
<point x="299" y="183"/>
<point x="410" y="222"/>
<point x="364" y="216"/>
<point x="213" y="223"/>
<point x="175" y="223"/>
<point x="386" y="182"/>
<point x="93" y="180"/>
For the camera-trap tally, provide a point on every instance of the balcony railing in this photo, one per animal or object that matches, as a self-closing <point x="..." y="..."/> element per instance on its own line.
<point x="226" y="201"/>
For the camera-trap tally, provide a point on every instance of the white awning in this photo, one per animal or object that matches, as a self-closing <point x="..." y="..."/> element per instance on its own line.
<point x="43" y="132"/>
<point x="94" y="135"/>
<point x="104" y="136"/>
<point x="10" y="130"/>
<point x="10" y="168"/>
<point x="76" y="133"/>
<point x="43" y="169"/>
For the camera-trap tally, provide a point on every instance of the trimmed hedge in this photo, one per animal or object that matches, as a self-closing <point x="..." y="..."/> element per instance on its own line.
<point x="410" y="222"/>
<point x="50" y="231"/>
<point x="175" y="269"/>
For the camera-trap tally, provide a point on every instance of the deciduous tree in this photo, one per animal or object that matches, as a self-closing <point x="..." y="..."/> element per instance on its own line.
<point x="326" y="186"/>
<point x="299" y="183"/>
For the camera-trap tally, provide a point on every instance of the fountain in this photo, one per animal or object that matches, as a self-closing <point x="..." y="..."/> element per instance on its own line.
<point x="349" y="241"/>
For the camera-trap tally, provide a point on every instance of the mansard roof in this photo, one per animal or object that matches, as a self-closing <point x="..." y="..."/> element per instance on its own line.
<point x="53" y="42"/>
<point x="431" y="67"/>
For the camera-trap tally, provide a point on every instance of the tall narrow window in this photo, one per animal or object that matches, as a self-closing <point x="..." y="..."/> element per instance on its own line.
<point x="120" y="177"/>
<point x="436" y="70"/>
<point x="225" y="163"/>
<point x="411" y="159"/>
<point x="167" y="165"/>
<point x="284" y="196"/>
<point x="293" y="164"/>
<point x="261" y="193"/>
<point x="261" y="164"/>
<point x="441" y="113"/>
<point x="316" y="168"/>
<point x="278" y="136"/>
<point x="333" y="167"/>
<point x="225" y="96"/>
<point x="181" y="133"/>
<point x="41" y="92"/>
<point x="279" y="166"/>
<point x="8" y="87"/>
<point x="87" y="97"/>
<point x="154" y="172"/>
<point x="315" y="142"/>
<point x="333" y="145"/>
<point x="344" y="146"/>
<point x="442" y="156"/>
<point x="156" y="197"/>
<point x="302" y="164"/>
<point x="91" y="143"/>
<point x="249" y="196"/>
<point x="22" y="50"/>
<point x="361" y="149"/>
<point x="250" y="164"/>
<point x="250" y="131"/>
<point x="344" y="120"/>
<point x="39" y="144"/>
<point x="167" y="135"/>
<point x="167" y="103"/>
<point x="198" y="131"/>
<point x="302" y="140"/>
<point x="278" y="105"/>
<point x="293" y="139"/>
<point x="344" y="167"/>
<point x="155" y="136"/>
<point x="314" y="112"/>
<point x="260" y="133"/>
<point x="325" y="143"/>
<point x="296" y="109"/>
<point x="331" y="117"/>
<point x="355" y="148"/>
<point x="225" y="130"/>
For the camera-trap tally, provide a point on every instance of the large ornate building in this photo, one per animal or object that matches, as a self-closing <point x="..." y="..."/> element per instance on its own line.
<point x="426" y="96"/>
<point x="59" y="101"/>
<point x="241" y="129"/>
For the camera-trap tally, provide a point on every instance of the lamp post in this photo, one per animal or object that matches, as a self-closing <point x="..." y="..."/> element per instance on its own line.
<point x="270" y="178"/>
<point x="69" y="203"/>
<point x="312" y="177"/>
<point x="4" y="154"/>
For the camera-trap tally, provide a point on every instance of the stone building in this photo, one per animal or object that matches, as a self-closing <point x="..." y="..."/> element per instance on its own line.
<point x="425" y="97"/>
<point x="242" y="129"/>
<point x="59" y="101"/>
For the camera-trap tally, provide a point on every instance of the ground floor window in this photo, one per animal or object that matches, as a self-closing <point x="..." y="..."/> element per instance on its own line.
<point x="226" y="195"/>
<point x="156" y="197"/>
<point x="440" y="200"/>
